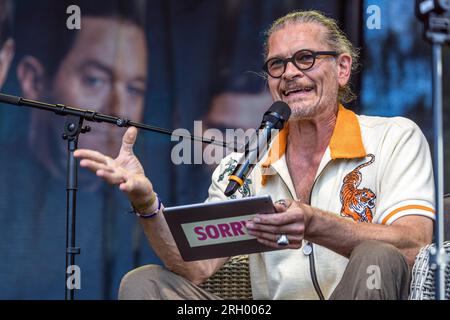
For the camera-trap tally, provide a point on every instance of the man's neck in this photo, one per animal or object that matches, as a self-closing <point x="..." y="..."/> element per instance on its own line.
<point x="311" y="136"/>
<point x="306" y="144"/>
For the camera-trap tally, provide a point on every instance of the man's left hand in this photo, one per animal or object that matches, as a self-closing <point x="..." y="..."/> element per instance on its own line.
<point x="291" y="220"/>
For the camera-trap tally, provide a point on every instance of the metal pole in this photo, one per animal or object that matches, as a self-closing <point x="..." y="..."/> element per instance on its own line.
<point x="440" y="255"/>
<point x="72" y="130"/>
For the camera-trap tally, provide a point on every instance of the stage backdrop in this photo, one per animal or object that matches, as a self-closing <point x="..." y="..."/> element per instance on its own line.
<point x="166" y="63"/>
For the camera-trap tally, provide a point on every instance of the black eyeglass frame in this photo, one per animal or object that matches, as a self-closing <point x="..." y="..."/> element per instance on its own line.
<point x="292" y="59"/>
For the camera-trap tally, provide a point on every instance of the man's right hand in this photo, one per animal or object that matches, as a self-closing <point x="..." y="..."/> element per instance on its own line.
<point x="125" y="170"/>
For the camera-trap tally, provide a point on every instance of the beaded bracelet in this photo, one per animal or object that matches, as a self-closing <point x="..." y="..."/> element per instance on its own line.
<point x="148" y="215"/>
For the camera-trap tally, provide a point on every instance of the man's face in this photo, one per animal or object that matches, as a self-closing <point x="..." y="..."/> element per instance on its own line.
<point x="308" y="93"/>
<point x="104" y="71"/>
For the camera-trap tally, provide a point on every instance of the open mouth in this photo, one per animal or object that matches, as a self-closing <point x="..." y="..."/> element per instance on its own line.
<point x="289" y="92"/>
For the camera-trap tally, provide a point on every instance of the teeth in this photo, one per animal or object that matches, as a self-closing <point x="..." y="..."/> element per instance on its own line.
<point x="288" y="92"/>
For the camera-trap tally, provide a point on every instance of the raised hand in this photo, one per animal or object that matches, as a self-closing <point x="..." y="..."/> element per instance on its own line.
<point x="125" y="170"/>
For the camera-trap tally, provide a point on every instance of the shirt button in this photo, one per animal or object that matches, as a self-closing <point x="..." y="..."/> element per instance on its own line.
<point x="307" y="249"/>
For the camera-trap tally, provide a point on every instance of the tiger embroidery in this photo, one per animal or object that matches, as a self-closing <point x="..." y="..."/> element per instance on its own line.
<point x="357" y="203"/>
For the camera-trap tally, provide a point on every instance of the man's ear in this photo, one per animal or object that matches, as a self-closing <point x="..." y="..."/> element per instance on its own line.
<point x="344" y="69"/>
<point x="31" y="76"/>
<point x="6" y="56"/>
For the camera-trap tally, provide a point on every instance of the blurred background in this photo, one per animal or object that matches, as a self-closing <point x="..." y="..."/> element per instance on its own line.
<point x="165" y="63"/>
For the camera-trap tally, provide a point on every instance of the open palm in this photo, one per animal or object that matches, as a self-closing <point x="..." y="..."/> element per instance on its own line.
<point x="125" y="170"/>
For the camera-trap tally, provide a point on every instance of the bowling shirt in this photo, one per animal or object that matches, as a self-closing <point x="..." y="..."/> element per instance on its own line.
<point x="375" y="170"/>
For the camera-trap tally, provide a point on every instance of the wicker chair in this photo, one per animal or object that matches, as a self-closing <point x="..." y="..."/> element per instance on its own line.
<point x="422" y="283"/>
<point x="232" y="281"/>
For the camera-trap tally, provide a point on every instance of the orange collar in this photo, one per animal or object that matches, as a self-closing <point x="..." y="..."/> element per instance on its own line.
<point x="346" y="141"/>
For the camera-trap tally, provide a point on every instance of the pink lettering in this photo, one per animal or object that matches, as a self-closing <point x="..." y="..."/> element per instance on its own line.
<point x="224" y="229"/>
<point x="212" y="231"/>
<point x="237" y="228"/>
<point x="199" y="231"/>
<point x="221" y="230"/>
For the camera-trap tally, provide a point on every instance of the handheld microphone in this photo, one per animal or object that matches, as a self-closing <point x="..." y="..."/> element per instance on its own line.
<point x="274" y="120"/>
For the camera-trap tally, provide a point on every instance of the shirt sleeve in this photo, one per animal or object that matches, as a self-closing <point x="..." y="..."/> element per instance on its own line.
<point x="406" y="183"/>
<point x="219" y="181"/>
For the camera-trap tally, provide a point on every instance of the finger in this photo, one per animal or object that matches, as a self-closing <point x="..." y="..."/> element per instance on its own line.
<point x="91" y="155"/>
<point x="295" y="228"/>
<point x="128" y="140"/>
<point x="293" y="204"/>
<point x="293" y="238"/>
<point x="277" y="246"/>
<point x="285" y="203"/>
<point x="127" y="186"/>
<point x="111" y="177"/>
<point x="94" y="166"/>
<point x="271" y="238"/>
<point x="280" y="207"/>
<point x="277" y="219"/>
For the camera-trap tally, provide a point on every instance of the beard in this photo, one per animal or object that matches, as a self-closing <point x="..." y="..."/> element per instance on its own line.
<point x="303" y="112"/>
<point x="311" y="108"/>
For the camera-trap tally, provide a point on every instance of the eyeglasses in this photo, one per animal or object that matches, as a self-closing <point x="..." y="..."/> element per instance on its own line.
<point x="302" y="60"/>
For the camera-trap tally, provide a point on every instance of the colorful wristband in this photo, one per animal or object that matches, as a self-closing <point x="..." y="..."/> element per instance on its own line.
<point x="148" y="215"/>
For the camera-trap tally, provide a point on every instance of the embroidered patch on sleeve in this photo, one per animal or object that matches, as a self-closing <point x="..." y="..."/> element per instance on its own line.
<point x="229" y="168"/>
<point x="357" y="203"/>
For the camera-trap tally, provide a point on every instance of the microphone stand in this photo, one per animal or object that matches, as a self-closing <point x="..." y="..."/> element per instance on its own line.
<point x="72" y="129"/>
<point x="437" y="31"/>
<point x="439" y="258"/>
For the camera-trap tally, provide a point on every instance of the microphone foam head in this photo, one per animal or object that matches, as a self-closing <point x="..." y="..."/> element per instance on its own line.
<point x="278" y="113"/>
<point x="282" y="108"/>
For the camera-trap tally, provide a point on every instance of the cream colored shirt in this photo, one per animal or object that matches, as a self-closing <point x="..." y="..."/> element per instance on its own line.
<point x="375" y="170"/>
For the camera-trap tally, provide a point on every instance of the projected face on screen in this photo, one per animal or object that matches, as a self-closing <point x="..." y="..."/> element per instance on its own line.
<point x="233" y="110"/>
<point x="6" y="55"/>
<point x="6" y="43"/>
<point x="238" y="110"/>
<point x="105" y="70"/>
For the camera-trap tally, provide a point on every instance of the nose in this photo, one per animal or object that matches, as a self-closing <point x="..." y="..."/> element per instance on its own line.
<point x="118" y="100"/>
<point x="117" y="106"/>
<point x="291" y="71"/>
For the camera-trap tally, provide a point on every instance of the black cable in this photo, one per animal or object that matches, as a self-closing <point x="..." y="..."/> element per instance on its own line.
<point x="312" y="269"/>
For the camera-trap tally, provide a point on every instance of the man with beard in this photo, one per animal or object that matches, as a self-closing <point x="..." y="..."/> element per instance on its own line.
<point x="355" y="193"/>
